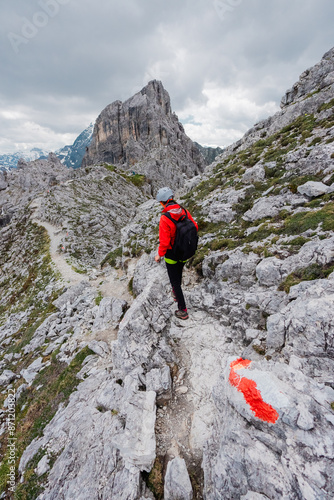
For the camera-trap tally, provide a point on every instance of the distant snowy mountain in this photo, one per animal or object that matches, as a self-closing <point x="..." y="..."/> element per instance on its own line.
<point x="71" y="156"/>
<point x="9" y="160"/>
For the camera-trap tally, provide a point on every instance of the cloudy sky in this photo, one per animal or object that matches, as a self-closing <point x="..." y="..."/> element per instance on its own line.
<point x="225" y="63"/>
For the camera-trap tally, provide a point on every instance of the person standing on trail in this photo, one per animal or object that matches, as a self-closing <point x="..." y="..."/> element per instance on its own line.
<point x="177" y="243"/>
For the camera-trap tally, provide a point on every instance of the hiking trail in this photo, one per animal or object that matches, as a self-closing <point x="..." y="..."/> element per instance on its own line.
<point x="110" y="284"/>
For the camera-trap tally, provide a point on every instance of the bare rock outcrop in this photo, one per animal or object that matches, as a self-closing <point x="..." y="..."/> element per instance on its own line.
<point x="311" y="80"/>
<point x="144" y="134"/>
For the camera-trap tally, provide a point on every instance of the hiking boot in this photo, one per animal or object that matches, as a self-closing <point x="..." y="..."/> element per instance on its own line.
<point x="181" y="314"/>
<point x="174" y="296"/>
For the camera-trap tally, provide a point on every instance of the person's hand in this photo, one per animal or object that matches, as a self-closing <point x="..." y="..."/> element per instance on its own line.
<point x="157" y="258"/>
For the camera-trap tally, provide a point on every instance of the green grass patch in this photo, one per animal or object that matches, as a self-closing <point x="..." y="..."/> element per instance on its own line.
<point x="35" y="408"/>
<point x="326" y="105"/>
<point x="130" y="286"/>
<point x="78" y="270"/>
<point x="32" y="485"/>
<point x="225" y="243"/>
<point x="155" y="478"/>
<point x="312" y="272"/>
<point x="302" y="179"/>
<point x="197" y="260"/>
<point x="109" y="167"/>
<point x="259" y="349"/>
<point x="112" y="257"/>
<point x="315" y="141"/>
<point x="98" y="298"/>
<point x="302" y="221"/>
<point x="299" y="241"/>
<point x="137" y="179"/>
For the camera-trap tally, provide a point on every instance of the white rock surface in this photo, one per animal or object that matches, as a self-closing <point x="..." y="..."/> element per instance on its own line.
<point x="312" y="189"/>
<point x="177" y="481"/>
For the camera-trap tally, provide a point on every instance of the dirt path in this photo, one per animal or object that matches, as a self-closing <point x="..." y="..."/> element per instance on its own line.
<point x="184" y="424"/>
<point x="112" y="284"/>
<point x="68" y="274"/>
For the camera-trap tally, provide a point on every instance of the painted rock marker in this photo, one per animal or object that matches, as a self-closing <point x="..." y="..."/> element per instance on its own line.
<point x="251" y="393"/>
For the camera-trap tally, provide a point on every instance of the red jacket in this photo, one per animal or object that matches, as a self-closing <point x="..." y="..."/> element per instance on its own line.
<point x="167" y="228"/>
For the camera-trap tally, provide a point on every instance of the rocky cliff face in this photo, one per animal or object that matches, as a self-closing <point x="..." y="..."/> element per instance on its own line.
<point x="117" y="398"/>
<point x="209" y="153"/>
<point x="145" y="135"/>
<point x="312" y="81"/>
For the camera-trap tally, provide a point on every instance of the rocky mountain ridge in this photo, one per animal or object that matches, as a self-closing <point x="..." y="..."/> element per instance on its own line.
<point x="72" y="155"/>
<point x="115" y="397"/>
<point x="143" y="134"/>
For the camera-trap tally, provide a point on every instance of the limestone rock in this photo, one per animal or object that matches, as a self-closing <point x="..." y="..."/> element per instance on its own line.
<point x="139" y="330"/>
<point x="269" y="207"/>
<point x="6" y="377"/>
<point x="29" y="180"/>
<point x="30" y="373"/>
<point x="311" y="189"/>
<point x="159" y="380"/>
<point x="177" y="481"/>
<point x="137" y="442"/>
<point x="272" y="271"/>
<point x="254" y="174"/>
<point x="269" y="449"/>
<point x="43" y="466"/>
<point x="3" y="182"/>
<point x="304" y="327"/>
<point x="314" y="79"/>
<point x="109" y="313"/>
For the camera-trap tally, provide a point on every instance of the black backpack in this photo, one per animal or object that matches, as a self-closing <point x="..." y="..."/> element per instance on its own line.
<point x="186" y="238"/>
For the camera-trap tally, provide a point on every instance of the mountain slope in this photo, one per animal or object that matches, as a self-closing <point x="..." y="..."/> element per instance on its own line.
<point x="72" y="156"/>
<point x="123" y="400"/>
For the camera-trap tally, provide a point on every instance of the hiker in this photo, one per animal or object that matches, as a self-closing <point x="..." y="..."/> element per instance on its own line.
<point x="177" y="243"/>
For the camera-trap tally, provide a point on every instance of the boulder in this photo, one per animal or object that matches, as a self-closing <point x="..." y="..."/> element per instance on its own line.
<point x="108" y="314"/>
<point x="160" y="381"/>
<point x="312" y="189"/>
<point x="254" y="174"/>
<point x="6" y="377"/>
<point x="177" y="481"/>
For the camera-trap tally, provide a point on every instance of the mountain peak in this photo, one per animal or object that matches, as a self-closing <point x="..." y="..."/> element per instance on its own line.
<point x="143" y="134"/>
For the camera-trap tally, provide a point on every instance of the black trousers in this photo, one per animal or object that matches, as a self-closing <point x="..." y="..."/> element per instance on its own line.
<point x="175" y="278"/>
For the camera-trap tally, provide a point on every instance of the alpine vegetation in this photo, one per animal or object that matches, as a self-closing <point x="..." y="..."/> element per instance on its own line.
<point x="105" y="392"/>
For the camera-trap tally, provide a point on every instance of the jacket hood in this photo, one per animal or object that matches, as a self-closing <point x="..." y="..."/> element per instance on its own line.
<point x="175" y="210"/>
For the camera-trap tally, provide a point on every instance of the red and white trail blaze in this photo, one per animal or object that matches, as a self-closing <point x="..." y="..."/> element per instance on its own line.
<point x="251" y="393"/>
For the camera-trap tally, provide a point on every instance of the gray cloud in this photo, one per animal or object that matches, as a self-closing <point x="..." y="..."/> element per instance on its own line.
<point x="225" y="63"/>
